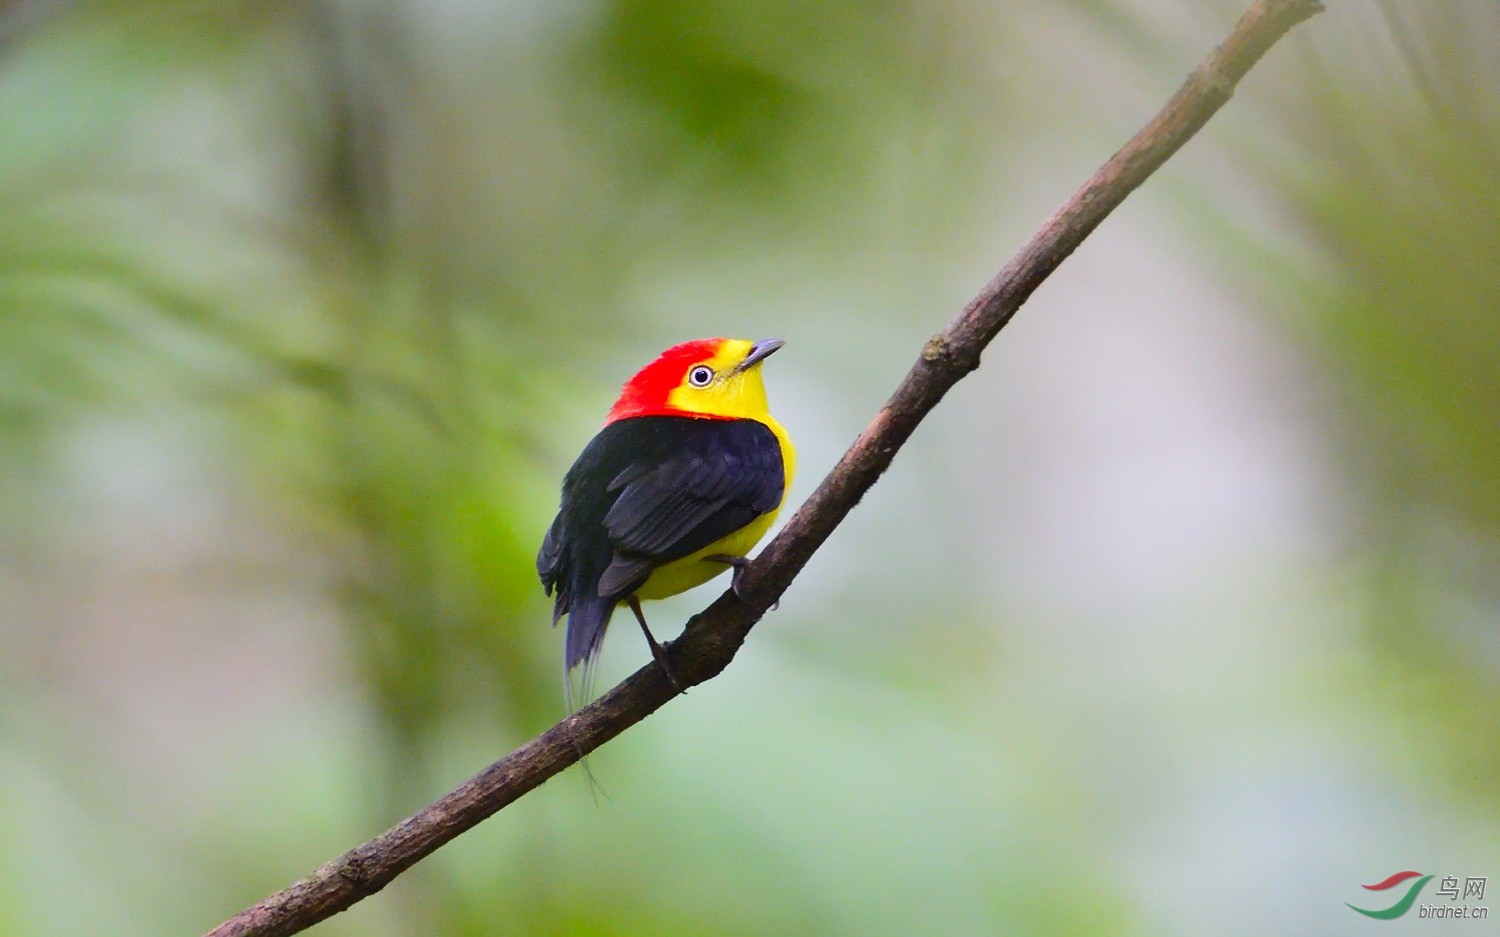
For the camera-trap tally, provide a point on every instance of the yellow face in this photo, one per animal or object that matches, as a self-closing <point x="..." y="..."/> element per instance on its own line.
<point x="727" y="384"/>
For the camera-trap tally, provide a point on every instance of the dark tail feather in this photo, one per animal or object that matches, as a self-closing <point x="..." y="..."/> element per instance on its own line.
<point x="587" y="620"/>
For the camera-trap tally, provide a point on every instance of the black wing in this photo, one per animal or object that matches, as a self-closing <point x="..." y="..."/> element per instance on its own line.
<point x="644" y="492"/>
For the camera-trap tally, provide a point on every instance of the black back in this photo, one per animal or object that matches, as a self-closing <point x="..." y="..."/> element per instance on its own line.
<point x="644" y="492"/>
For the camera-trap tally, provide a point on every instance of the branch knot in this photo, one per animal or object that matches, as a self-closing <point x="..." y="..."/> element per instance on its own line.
<point x="943" y="351"/>
<point x="355" y="870"/>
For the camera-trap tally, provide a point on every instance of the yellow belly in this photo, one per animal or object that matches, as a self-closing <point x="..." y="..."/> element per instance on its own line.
<point x="682" y="575"/>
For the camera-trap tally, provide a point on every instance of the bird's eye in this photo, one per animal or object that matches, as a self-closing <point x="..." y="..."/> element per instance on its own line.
<point x="701" y="376"/>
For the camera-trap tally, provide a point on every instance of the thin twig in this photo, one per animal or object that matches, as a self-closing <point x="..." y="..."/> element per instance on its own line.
<point x="713" y="636"/>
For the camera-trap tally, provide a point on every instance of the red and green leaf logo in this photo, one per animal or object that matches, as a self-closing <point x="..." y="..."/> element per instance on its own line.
<point x="1407" y="900"/>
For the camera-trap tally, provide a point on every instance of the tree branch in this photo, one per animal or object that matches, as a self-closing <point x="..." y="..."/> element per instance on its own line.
<point x="712" y="637"/>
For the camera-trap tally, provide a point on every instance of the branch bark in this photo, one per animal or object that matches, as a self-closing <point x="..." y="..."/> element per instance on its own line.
<point x="712" y="637"/>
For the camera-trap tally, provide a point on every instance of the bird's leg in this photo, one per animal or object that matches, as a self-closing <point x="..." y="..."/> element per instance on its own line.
<point x="657" y="651"/>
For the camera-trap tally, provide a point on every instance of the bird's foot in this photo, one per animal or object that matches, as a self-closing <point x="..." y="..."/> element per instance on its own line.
<point x="660" y="653"/>
<point x="738" y="564"/>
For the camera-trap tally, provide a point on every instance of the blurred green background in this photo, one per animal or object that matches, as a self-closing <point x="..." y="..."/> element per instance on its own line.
<point x="1182" y="616"/>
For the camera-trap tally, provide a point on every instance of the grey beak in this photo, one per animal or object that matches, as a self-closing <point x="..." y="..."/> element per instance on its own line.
<point x="759" y="352"/>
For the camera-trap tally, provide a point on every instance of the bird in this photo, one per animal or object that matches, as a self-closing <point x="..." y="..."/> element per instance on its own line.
<point x="686" y="476"/>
